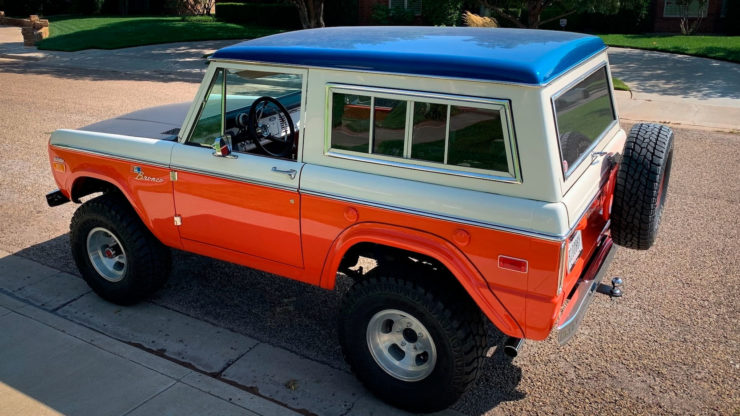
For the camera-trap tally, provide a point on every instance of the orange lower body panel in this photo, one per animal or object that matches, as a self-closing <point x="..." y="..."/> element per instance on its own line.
<point x="520" y="303"/>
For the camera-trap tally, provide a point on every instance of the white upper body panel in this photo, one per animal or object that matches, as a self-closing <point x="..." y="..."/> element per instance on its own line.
<point x="538" y="199"/>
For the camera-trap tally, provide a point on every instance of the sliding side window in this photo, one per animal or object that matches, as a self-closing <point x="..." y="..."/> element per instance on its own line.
<point x="424" y="133"/>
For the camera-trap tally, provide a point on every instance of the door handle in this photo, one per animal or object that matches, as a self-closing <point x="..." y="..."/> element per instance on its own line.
<point x="595" y="156"/>
<point x="289" y="172"/>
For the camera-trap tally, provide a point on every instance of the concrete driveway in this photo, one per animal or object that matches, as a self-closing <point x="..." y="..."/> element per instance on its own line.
<point x="182" y="61"/>
<point x="678" y="89"/>
<point x="662" y="76"/>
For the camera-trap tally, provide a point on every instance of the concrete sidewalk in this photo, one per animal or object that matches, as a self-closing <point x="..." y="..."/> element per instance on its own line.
<point x="52" y="366"/>
<point x="67" y="351"/>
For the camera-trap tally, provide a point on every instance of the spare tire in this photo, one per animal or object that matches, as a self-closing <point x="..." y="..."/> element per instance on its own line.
<point x="642" y="184"/>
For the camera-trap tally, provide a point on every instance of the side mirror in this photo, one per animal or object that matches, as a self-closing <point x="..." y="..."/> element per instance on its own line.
<point x="222" y="147"/>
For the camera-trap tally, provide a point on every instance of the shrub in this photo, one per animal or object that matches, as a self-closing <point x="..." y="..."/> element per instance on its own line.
<point x="87" y="6"/>
<point x="732" y="15"/>
<point x="199" y="19"/>
<point x="21" y="8"/>
<point x="384" y="15"/>
<point x="341" y="12"/>
<point x="280" y="15"/>
<point x="442" y="12"/>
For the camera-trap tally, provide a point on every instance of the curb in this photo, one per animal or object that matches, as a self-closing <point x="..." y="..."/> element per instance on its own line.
<point x="22" y="57"/>
<point x="239" y="369"/>
<point x="201" y="386"/>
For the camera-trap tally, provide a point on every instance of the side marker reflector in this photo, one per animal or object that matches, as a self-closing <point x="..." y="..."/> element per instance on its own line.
<point x="512" y="263"/>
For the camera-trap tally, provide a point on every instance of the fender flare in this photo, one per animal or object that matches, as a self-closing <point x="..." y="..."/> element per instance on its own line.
<point x="123" y="187"/>
<point x="429" y="245"/>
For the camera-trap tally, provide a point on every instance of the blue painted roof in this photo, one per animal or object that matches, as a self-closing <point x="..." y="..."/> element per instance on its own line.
<point x="507" y="55"/>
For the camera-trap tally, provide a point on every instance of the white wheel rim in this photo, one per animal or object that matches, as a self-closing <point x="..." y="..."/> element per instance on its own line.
<point x="401" y="345"/>
<point x="106" y="254"/>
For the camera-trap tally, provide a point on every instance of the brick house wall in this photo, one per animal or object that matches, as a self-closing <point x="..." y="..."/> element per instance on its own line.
<point x="712" y="23"/>
<point x="365" y="10"/>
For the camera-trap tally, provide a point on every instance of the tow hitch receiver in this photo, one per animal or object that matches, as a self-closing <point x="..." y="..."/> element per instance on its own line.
<point x="615" y="291"/>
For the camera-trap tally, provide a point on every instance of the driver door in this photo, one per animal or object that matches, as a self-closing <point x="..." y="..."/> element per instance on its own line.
<point x="247" y="202"/>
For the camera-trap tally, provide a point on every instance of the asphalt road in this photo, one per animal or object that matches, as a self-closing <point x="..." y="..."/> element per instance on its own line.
<point x="669" y="346"/>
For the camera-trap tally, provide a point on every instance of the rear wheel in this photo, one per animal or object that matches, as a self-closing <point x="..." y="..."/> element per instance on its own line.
<point x="642" y="185"/>
<point x="116" y="254"/>
<point x="414" y="343"/>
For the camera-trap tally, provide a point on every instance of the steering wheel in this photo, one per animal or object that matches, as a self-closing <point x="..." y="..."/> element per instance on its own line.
<point x="261" y="132"/>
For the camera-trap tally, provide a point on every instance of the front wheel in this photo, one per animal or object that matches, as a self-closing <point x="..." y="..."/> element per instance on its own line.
<point x="116" y="254"/>
<point x="416" y="344"/>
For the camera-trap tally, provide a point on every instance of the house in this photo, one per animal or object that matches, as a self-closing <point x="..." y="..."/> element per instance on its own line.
<point x="365" y="8"/>
<point x="668" y="17"/>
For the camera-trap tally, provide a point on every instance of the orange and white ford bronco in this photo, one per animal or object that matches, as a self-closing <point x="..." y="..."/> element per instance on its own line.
<point x="456" y="174"/>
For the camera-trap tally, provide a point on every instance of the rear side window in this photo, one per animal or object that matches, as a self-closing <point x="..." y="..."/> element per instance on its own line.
<point x="583" y="113"/>
<point x="425" y="133"/>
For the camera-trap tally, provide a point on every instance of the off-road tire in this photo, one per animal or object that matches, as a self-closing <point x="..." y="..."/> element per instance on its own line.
<point x="642" y="186"/>
<point x="147" y="260"/>
<point x="452" y="319"/>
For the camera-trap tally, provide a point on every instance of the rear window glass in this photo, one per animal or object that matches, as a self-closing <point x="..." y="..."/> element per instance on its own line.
<point x="583" y="113"/>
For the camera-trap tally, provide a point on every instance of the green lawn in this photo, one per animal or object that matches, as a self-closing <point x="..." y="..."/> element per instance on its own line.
<point x="72" y="33"/>
<point x="718" y="47"/>
<point x="619" y="84"/>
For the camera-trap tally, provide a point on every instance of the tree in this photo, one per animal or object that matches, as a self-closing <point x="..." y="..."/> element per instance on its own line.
<point x="191" y="7"/>
<point x="532" y="9"/>
<point x="311" y="12"/>
<point x="685" y="10"/>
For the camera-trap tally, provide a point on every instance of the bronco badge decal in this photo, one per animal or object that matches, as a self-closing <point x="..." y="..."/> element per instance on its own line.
<point x="141" y="177"/>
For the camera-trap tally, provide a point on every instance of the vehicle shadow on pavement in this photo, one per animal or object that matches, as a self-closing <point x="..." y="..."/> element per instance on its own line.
<point x="262" y="309"/>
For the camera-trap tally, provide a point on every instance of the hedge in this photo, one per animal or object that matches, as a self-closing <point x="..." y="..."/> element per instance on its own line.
<point x="280" y="15"/>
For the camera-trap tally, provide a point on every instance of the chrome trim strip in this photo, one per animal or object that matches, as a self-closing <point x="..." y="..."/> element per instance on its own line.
<point x="498" y="227"/>
<point x="223" y="105"/>
<point x="180" y="168"/>
<point x="520" y="84"/>
<point x="561" y="269"/>
<point x="526" y="263"/>
<point x="395" y="93"/>
<point x="582" y="157"/>
<point x="602" y="234"/>
<point x="447" y="134"/>
<point x="371" y="126"/>
<point x="423" y="168"/>
<point x="196" y="107"/>
<point x="514" y="175"/>
<point x="576" y="309"/>
<point x="110" y="155"/>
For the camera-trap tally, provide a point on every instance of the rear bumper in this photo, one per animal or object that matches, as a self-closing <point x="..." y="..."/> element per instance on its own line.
<point x="584" y="291"/>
